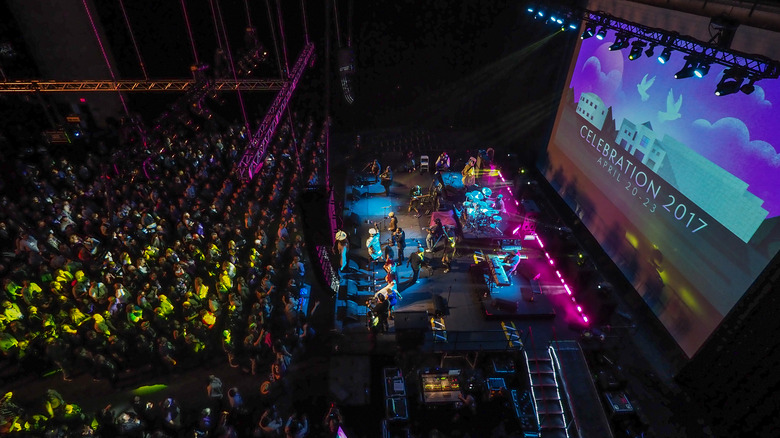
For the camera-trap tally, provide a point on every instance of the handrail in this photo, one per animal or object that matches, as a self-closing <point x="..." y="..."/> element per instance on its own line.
<point x="536" y="363"/>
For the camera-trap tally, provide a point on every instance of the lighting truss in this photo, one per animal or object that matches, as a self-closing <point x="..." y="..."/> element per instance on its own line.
<point x="756" y="66"/>
<point x="252" y="160"/>
<point x="177" y="85"/>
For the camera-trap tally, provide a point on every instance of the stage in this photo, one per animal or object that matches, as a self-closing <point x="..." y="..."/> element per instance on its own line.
<point x="465" y="297"/>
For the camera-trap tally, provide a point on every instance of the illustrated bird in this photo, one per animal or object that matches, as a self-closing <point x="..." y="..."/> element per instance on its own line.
<point x="643" y="86"/>
<point x="672" y="108"/>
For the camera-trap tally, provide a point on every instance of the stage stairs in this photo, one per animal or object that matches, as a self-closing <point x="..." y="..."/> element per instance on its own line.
<point x="544" y="376"/>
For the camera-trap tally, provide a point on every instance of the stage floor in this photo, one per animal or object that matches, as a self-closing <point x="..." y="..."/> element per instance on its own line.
<point x="468" y="304"/>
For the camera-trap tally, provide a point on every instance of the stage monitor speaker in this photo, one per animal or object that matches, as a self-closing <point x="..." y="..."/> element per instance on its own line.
<point x="505" y="305"/>
<point x="353" y="220"/>
<point x="348" y="289"/>
<point x="439" y="306"/>
<point x="411" y="321"/>
<point x="348" y="312"/>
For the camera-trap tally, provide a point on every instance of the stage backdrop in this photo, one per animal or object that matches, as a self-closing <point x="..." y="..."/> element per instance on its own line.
<point x="681" y="187"/>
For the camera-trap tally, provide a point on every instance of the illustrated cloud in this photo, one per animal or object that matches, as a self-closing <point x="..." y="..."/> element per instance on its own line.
<point x="727" y="143"/>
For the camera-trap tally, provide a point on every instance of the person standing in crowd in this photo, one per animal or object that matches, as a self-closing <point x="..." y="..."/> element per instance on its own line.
<point x="399" y="238"/>
<point x="443" y="162"/>
<point x="387" y="179"/>
<point x="415" y="200"/>
<point x="296" y="427"/>
<point x="393" y="223"/>
<point x="433" y="234"/>
<point x="390" y="292"/>
<point x="416" y="261"/>
<point x="381" y="311"/>
<point x="448" y="254"/>
<point x="375" y="170"/>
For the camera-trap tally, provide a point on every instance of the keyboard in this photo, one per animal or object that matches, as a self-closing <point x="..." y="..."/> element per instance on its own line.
<point x="496" y="267"/>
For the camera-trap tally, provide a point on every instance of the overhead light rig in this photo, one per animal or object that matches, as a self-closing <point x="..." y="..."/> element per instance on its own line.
<point x="179" y="85"/>
<point x="742" y="66"/>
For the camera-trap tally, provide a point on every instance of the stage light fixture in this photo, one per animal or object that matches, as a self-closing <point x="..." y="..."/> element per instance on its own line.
<point x="601" y="34"/>
<point x="621" y="42"/>
<point x="573" y="26"/>
<point x="589" y="31"/>
<point x="749" y="87"/>
<point x="686" y="71"/>
<point x="650" y="50"/>
<point x="701" y="70"/>
<point x="730" y="83"/>
<point x="530" y="10"/>
<point x="636" y="50"/>
<point x="665" y="55"/>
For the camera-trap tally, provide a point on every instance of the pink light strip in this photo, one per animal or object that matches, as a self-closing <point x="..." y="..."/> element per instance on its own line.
<point x="563" y="282"/>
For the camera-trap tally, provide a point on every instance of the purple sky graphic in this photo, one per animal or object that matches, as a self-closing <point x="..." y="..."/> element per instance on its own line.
<point x="737" y="132"/>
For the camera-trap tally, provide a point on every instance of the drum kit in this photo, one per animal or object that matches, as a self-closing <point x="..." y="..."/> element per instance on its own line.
<point x="478" y="211"/>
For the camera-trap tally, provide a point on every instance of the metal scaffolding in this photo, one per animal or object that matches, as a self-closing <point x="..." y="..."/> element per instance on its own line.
<point x="165" y="85"/>
<point x="252" y="160"/>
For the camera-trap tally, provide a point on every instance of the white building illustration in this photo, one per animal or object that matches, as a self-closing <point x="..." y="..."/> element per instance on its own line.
<point x="716" y="191"/>
<point x="640" y="142"/>
<point x="592" y="109"/>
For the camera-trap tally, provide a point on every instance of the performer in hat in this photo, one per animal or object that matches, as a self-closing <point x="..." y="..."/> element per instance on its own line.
<point x="342" y="248"/>
<point x="373" y="245"/>
<point x="393" y="222"/>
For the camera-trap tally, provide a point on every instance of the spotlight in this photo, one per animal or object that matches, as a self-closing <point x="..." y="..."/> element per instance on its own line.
<point x="665" y="55"/>
<point x="730" y="83"/>
<point x="601" y="34"/>
<point x="650" y="50"/>
<point x="573" y="26"/>
<point x="621" y="42"/>
<point x="686" y="71"/>
<point x="701" y="70"/>
<point x="530" y="10"/>
<point x="636" y="50"/>
<point x="693" y="67"/>
<point x="588" y="32"/>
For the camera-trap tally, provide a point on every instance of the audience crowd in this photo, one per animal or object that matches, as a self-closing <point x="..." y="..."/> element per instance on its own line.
<point x="165" y="259"/>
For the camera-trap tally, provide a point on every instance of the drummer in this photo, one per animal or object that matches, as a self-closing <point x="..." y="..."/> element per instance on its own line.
<point x="499" y="204"/>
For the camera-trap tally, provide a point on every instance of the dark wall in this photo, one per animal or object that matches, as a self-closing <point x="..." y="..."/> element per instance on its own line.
<point x="735" y="373"/>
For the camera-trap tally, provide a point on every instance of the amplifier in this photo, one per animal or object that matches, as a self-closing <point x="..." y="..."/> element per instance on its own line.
<point x="506" y="305"/>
